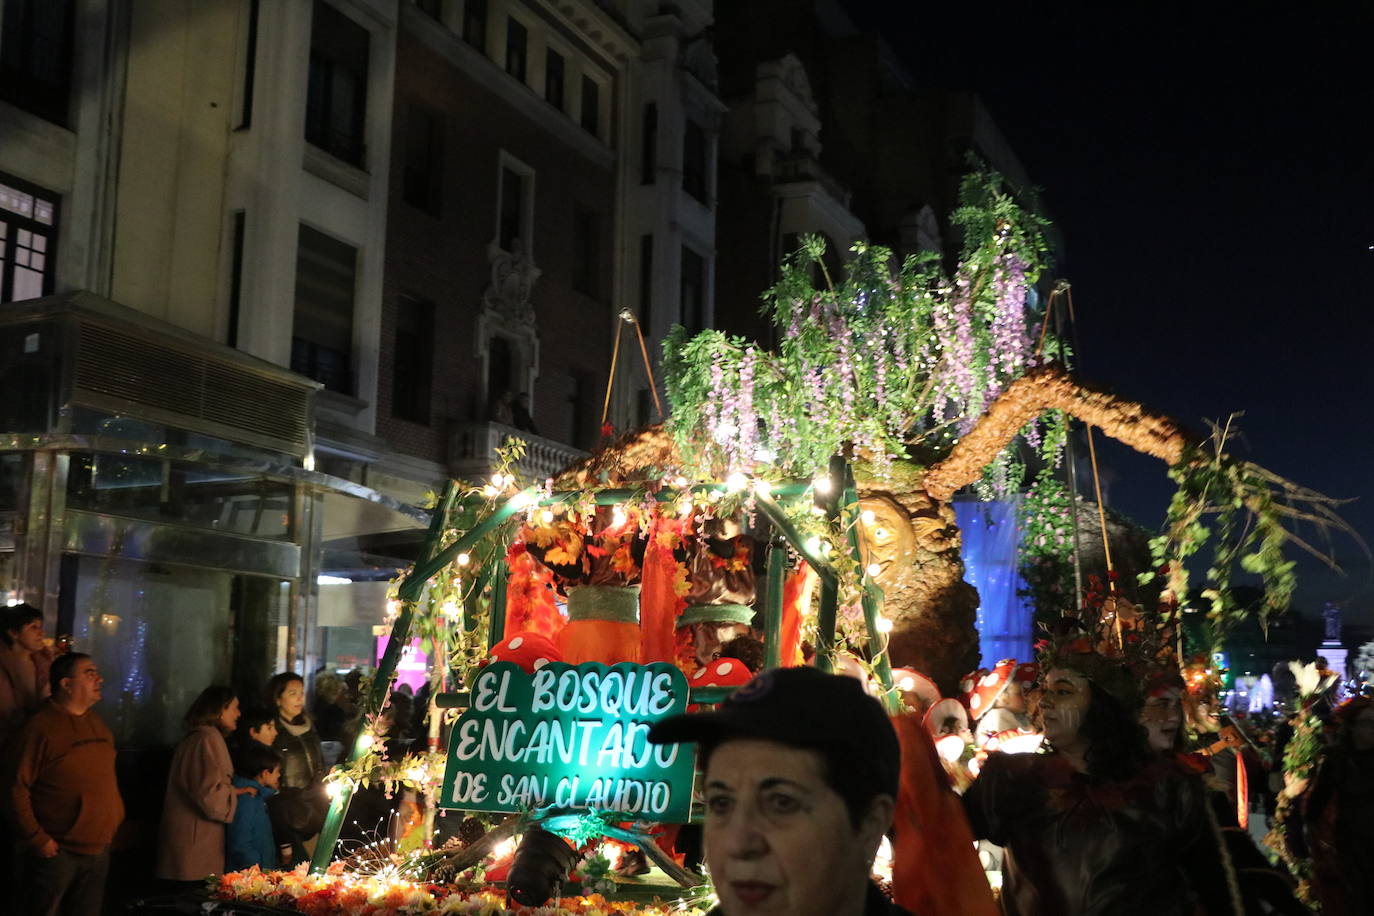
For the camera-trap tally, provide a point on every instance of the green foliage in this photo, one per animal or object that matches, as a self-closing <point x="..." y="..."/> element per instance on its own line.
<point x="1046" y="552"/>
<point x="873" y="361"/>
<point x="1237" y="517"/>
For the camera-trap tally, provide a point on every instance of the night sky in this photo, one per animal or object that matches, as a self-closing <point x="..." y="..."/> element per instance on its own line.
<point x="1213" y="178"/>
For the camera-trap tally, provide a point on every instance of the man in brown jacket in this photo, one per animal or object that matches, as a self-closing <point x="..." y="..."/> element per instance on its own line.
<point x="63" y="797"/>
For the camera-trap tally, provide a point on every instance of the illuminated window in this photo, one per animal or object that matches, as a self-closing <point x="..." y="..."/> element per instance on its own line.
<point x="28" y="232"/>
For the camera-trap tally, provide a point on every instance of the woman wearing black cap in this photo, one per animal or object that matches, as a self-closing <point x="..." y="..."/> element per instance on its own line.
<point x="795" y="811"/>
<point x="1098" y="825"/>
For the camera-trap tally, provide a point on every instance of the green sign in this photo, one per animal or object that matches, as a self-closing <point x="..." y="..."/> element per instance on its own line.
<point x="571" y="736"/>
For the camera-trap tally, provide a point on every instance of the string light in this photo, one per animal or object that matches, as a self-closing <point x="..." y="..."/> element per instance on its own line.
<point x="736" y="482"/>
<point x="364" y="742"/>
<point x="868" y="516"/>
<point x="546" y="517"/>
<point x="762" y="487"/>
<point x="821" y="485"/>
<point x="463" y="559"/>
<point x="618" y="517"/>
<point x="680" y="482"/>
<point x="873" y="570"/>
<point x="885" y="626"/>
<point x="907" y="683"/>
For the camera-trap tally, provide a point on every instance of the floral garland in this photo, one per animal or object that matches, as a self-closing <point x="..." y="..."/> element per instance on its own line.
<point x="879" y="362"/>
<point x="341" y="892"/>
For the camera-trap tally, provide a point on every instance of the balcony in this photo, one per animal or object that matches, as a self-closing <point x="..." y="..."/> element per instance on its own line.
<point x="472" y="451"/>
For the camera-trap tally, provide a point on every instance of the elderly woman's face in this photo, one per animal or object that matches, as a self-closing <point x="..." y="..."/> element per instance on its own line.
<point x="1063" y="705"/>
<point x="778" y="839"/>
<point x="292" y="699"/>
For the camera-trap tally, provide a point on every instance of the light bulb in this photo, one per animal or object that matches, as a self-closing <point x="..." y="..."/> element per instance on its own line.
<point x="364" y="742"/>
<point x="873" y="570"/>
<point x="762" y="487"/>
<point x="736" y="482"/>
<point x="680" y="481"/>
<point x="618" y="517"/>
<point x="464" y="559"/>
<point x="497" y="480"/>
<point x="546" y="517"/>
<point x="907" y="683"/>
<point x="821" y="485"/>
<point x="868" y="516"/>
<point x="884" y="626"/>
<point x="813" y="545"/>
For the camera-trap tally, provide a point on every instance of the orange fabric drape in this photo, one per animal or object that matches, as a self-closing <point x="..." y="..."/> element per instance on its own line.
<point x="659" y="603"/>
<point x="935" y="868"/>
<point x="796" y="598"/>
<point x="607" y="641"/>
<point x="530" y="606"/>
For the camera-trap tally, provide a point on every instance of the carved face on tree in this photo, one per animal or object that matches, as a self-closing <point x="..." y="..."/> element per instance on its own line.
<point x="889" y="542"/>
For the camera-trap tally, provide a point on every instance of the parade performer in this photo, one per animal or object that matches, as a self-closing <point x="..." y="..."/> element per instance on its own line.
<point x="1098" y="825"/>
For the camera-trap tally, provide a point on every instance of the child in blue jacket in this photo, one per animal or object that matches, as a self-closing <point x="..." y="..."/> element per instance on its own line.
<point x="248" y="840"/>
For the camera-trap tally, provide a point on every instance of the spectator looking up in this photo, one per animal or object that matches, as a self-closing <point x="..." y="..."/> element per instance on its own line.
<point x="63" y="797"/>
<point x="201" y="797"/>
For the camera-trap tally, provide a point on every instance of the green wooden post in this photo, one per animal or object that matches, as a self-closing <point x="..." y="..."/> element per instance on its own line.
<point x="381" y="682"/>
<point x="772" y="612"/>
<point x="497" y="631"/>
<point x="830" y="588"/>
<point x="872" y="596"/>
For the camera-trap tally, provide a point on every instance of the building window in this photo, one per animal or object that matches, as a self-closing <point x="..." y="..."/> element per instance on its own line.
<point x="591" y="105"/>
<point x="336" y="98"/>
<point x="412" y="372"/>
<point x="239" y="231"/>
<point x="517" y="43"/>
<point x="694" y="163"/>
<point x="692" y="290"/>
<point x="648" y="143"/>
<point x="475" y="24"/>
<point x="553" y="79"/>
<point x="422" y="177"/>
<point x="28" y="237"/>
<point x="322" y="329"/>
<point x="646" y="277"/>
<point x="515" y="205"/>
<point x="36" y="56"/>
<point x="587" y="244"/>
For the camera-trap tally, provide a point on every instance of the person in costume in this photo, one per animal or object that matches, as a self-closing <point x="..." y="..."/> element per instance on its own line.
<point x="1098" y="825"/>
<point x="721" y="588"/>
<point x="1340" y="814"/>
<point x="996" y="700"/>
<point x="795" y="813"/>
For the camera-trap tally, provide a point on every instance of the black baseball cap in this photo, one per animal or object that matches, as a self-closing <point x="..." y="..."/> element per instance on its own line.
<point x="803" y="708"/>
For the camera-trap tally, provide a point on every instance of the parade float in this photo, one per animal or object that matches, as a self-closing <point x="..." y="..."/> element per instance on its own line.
<point x="799" y="494"/>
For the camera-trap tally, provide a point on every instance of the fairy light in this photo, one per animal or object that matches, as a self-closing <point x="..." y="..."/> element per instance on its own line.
<point x="873" y="570"/>
<point x="520" y="500"/>
<point x="736" y="482"/>
<point x="464" y="559"/>
<point x="618" y="517"/>
<point x="365" y="741"/>
<point x="907" y="683"/>
<point x="490" y="492"/>
<point x="762" y="487"/>
<point x="451" y="610"/>
<point x="868" y="516"/>
<point x="822" y="485"/>
<point x="546" y="517"/>
<point x="680" y="482"/>
<point x="884" y="626"/>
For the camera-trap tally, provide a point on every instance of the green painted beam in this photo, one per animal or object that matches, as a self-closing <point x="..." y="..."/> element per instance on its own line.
<point x="381" y="682"/>
<point x="830" y="588"/>
<point x="872" y="601"/>
<point x="769" y="507"/>
<point x="772" y="612"/>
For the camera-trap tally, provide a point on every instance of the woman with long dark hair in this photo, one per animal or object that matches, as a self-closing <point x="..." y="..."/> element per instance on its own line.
<point x="299" y="807"/>
<point x="1098" y="824"/>
<point x="201" y="797"/>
